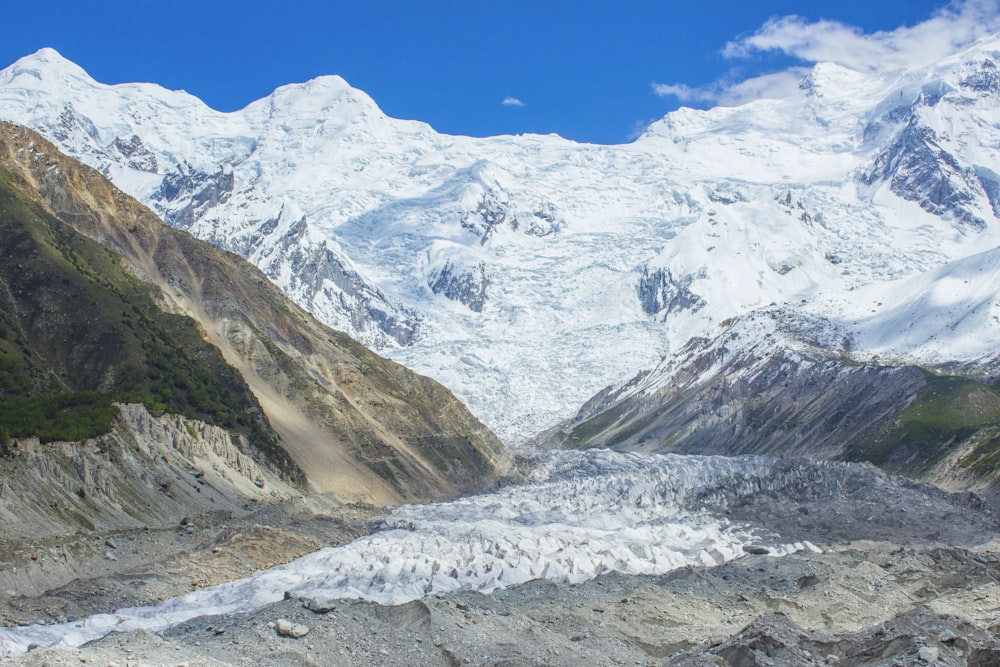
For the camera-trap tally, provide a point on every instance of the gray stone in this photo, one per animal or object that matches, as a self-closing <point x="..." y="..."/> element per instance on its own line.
<point x="286" y="628"/>
<point x="756" y="549"/>
<point x="928" y="654"/>
<point x="319" y="605"/>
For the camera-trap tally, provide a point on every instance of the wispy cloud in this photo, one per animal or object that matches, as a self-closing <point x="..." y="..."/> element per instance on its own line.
<point x="733" y="91"/>
<point x="685" y="93"/>
<point x="512" y="102"/>
<point x="775" y="85"/>
<point x="639" y="128"/>
<point x="946" y="32"/>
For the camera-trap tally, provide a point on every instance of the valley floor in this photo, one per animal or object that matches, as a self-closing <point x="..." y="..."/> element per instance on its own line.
<point x="907" y="575"/>
<point x="866" y="603"/>
<point x="95" y="573"/>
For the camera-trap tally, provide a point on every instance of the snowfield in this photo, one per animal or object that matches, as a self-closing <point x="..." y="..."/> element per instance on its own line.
<point x="528" y="272"/>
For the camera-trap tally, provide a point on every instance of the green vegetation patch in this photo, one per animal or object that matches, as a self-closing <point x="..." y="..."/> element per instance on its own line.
<point x="984" y="459"/>
<point x="948" y="410"/>
<point x="75" y="325"/>
<point x="68" y="416"/>
<point x="583" y="434"/>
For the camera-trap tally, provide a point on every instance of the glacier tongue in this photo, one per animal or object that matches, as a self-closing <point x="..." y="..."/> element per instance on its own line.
<point x="580" y="514"/>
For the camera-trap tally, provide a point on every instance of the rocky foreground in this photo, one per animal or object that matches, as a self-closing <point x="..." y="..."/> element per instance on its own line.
<point x="907" y="575"/>
<point x="866" y="603"/>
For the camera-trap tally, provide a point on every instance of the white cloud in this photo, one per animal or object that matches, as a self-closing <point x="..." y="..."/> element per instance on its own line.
<point x="947" y="32"/>
<point x="512" y="102"/>
<point x="766" y="86"/>
<point x="639" y="128"/>
<point x="685" y="93"/>
<point x="733" y="92"/>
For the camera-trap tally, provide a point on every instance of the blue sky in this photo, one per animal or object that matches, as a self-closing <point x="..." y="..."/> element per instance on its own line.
<point x="589" y="70"/>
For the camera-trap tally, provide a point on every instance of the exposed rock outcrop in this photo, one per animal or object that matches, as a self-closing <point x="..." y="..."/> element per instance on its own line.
<point x="191" y="192"/>
<point x="467" y="287"/>
<point x="490" y="214"/>
<point x="661" y="294"/>
<point x="147" y="471"/>
<point x="919" y="169"/>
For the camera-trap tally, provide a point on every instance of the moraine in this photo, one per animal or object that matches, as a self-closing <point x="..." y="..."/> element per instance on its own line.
<point x="579" y="515"/>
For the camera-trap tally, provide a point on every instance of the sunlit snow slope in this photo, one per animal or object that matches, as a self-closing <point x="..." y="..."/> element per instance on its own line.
<point x="528" y="272"/>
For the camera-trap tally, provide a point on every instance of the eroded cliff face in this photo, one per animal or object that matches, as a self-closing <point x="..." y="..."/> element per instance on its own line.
<point x="146" y="472"/>
<point x="357" y="425"/>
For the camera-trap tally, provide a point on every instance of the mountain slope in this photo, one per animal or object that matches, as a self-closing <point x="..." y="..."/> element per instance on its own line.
<point x="357" y="425"/>
<point x="78" y="331"/>
<point x="526" y="273"/>
<point x="762" y="387"/>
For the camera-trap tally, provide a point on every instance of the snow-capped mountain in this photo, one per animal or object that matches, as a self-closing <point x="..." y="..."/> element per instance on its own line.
<point x="528" y="272"/>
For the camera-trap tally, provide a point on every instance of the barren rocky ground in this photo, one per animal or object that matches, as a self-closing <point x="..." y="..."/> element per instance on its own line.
<point x="136" y="567"/>
<point x="864" y="603"/>
<point x="908" y="575"/>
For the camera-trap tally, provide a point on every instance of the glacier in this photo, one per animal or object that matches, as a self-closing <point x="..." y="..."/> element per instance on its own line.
<point x="577" y="516"/>
<point x="526" y="273"/>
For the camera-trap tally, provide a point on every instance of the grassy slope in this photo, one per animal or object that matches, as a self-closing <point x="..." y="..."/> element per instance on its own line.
<point x="948" y="411"/>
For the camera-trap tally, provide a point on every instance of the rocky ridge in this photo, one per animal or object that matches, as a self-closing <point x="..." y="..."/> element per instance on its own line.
<point x="759" y="388"/>
<point x="360" y="426"/>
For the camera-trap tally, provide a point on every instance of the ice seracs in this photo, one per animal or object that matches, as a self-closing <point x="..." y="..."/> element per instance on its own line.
<point x="582" y="514"/>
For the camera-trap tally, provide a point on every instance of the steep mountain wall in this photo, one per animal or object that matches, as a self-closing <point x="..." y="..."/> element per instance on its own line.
<point x="356" y="424"/>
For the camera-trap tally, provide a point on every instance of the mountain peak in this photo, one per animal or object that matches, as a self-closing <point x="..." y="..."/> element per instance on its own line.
<point x="44" y="63"/>
<point x="317" y="97"/>
<point x="827" y="78"/>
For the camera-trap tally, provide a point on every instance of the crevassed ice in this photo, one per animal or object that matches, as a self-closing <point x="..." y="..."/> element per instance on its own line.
<point x="579" y="515"/>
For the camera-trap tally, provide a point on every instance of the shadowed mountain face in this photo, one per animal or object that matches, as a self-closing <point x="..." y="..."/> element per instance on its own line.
<point x="100" y="296"/>
<point x="763" y="390"/>
<point x="78" y="331"/>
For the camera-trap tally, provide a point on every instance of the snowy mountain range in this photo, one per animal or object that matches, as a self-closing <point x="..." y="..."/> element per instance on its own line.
<point x="859" y="216"/>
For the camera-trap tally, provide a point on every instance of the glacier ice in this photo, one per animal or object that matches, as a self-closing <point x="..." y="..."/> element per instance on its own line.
<point x="579" y="515"/>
